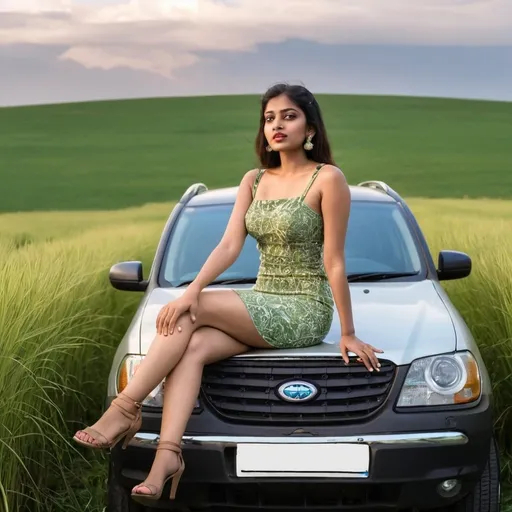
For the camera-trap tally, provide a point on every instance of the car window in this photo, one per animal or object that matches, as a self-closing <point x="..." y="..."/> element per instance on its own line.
<point x="197" y="232"/>
<point x="378" y="240"/>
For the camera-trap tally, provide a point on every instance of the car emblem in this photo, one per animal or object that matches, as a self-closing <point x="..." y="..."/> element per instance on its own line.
<point x="297" y="391"/>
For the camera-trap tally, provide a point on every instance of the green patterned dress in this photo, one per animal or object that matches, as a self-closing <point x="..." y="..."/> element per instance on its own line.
<point x="291" y="303"/>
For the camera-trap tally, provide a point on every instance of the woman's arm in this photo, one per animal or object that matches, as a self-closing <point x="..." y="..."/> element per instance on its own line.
<point x="232" y="242"/>
<point x="335" y="205"/>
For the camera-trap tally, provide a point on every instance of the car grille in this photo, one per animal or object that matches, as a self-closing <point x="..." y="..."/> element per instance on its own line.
<point x="245" y="389"/>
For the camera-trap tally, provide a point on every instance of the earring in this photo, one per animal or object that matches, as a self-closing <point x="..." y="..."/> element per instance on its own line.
<point x="269" y="149"/>
<point x="308" y="145"/>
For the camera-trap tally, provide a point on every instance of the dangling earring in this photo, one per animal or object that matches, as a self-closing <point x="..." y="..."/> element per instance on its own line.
<point x="308" y="145"/>
<point x="269" y="149"/>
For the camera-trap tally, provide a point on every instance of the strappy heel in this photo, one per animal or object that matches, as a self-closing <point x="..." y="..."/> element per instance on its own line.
<point x="121" y="402"/>
<point x="156" y="492"/>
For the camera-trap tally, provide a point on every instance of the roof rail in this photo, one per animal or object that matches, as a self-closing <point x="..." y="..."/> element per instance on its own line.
<point x="378" y="185"/>
<point x="384" y="187"/>
<point x="193" y="190"/>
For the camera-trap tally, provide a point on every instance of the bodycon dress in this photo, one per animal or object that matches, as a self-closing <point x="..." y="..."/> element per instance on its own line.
<point x="291" y="303"/>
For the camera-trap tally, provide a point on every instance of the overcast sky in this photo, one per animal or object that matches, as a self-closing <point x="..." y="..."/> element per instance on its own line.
<point x="76" y="50"/>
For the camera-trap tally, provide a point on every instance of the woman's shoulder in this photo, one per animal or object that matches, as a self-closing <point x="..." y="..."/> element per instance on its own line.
<point x="329" y="168"/>
<point x="330" y="173"/>
<point x="250" y="176"/>
<point x="253" y="173"/>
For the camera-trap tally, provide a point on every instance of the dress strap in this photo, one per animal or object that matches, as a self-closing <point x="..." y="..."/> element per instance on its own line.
<point x="315" y="174"/>
<point x="257" y="181"/>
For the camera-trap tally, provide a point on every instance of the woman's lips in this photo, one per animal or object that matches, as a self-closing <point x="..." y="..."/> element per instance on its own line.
<point x="279" y="138"/>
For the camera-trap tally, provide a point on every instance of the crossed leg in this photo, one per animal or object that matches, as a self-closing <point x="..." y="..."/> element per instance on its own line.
<point x="232" y="328"/>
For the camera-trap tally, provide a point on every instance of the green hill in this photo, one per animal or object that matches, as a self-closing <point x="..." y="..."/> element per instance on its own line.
<point x="109" y="155"/>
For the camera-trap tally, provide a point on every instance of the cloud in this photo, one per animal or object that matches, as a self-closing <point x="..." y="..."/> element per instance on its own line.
<point x="35" y="6"/>
<point x="163" y="36"/>
<point x="153" y="59"/>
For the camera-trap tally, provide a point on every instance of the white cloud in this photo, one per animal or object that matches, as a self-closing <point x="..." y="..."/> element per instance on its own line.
<point x="143" y="10"/>
<point x="152" y="59"/>
<point x="162" y="36"/>
<point x="35" y="6"/>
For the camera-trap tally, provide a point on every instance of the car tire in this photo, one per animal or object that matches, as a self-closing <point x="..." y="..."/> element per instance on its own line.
<point x="485" y="496"/>
<point x="118" y="497"/>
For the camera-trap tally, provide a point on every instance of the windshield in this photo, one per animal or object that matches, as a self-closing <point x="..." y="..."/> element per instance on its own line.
<point x="378" y="241"/>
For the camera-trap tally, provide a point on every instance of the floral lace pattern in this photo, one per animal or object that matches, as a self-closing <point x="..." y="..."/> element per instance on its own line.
<point x="291" y="303"/>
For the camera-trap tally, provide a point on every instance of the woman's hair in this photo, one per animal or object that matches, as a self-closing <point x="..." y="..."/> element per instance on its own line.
<point x="305" y="100"/>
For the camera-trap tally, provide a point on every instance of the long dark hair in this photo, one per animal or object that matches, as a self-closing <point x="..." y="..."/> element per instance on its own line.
<point x="305" y="100"/>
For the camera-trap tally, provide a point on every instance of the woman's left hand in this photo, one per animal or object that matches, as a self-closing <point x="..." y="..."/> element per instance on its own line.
<point x="365" y="351"/>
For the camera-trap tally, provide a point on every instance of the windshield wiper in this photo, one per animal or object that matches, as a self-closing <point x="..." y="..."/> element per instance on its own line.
<point x="240" y="280"/>
<point x="378" y="276"/>
<point x="361" y="276"/>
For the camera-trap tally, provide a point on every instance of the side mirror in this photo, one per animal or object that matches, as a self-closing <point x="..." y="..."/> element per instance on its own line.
<point x="127" y="276"/>
<point x="453" y="265"/>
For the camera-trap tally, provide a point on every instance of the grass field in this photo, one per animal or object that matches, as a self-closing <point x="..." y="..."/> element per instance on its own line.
<point x="110" y="155"/>
<point x="105" y="168"/>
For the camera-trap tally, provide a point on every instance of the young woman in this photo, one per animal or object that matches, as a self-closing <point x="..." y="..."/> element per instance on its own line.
<point x="297" y="208"/>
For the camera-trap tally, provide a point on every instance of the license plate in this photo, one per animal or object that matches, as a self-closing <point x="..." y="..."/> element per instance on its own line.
<point x="303" y="460"/>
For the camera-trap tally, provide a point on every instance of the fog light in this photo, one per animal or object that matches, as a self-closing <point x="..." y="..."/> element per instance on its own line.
<point x="449" y="488"/>
<point x="448" y="485"/>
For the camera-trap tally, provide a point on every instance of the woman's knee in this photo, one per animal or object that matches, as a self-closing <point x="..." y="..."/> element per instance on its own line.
<point x="197" y="348"/>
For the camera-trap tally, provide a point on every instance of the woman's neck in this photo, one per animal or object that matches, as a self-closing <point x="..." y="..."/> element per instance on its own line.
<point x="295" y="162"/>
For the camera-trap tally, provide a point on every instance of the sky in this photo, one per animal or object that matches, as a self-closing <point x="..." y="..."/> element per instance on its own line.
<point x="54" y="51"/>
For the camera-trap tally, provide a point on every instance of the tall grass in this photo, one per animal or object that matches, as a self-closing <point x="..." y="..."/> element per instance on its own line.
<point x="59" y="324"/>
<point x="60" y="321"/>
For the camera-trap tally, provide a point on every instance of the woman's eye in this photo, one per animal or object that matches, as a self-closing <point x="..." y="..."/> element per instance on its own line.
<point x="287" y="116"/>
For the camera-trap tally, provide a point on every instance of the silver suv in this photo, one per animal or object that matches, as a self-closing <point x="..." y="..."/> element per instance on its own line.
<point x="298" y="429"/>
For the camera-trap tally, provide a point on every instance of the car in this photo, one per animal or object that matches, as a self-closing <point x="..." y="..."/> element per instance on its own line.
<point x="298" y="429"/>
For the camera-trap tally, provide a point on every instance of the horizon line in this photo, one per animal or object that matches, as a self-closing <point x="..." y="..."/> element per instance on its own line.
<point x="252" y="94"/>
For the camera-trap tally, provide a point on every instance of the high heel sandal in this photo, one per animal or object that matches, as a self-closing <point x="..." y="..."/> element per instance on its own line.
<point x="101" y="441"/>
<point x="156" y="492"/>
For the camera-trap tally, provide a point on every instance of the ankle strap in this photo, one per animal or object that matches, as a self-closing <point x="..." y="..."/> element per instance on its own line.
<point x="129" y="400"/>
<point x="126" y="412"/>
<point x="168" y="445"/>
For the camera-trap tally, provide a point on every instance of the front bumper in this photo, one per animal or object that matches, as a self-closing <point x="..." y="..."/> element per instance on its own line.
<point x="405" y="471"/>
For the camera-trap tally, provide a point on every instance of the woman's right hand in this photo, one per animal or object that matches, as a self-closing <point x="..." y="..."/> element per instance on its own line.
<point x="170" y="313"/>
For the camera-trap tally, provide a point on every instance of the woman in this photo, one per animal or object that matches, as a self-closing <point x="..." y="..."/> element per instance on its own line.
<point x="297" y="209"/>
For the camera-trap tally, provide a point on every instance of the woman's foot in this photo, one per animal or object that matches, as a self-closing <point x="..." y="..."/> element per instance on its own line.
<point x="121" y="419"/>
<point x="166" y="463"/>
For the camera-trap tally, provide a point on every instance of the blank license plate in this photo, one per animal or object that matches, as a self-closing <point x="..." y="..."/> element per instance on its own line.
<point x="303" y="460"/>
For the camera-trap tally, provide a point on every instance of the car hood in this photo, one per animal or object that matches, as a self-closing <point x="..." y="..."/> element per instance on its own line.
<point x="406" y="320"/>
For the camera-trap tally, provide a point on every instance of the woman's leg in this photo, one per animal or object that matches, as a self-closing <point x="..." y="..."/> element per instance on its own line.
<point x="181" y="390"/>
<point x="221" y="309"/>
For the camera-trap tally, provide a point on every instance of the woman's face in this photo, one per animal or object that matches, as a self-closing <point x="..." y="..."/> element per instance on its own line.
<point x="285" y="126"/>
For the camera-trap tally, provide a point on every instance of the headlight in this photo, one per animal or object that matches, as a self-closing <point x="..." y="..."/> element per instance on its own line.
<point x="127" y="370"/>
<point x="441" y="380"/>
